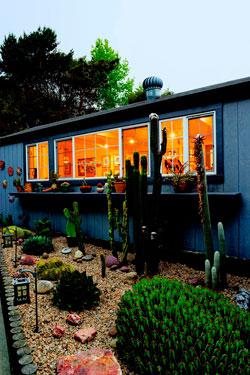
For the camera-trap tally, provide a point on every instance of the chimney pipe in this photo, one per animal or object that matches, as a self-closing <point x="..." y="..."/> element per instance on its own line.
<point x="152" y="87"/>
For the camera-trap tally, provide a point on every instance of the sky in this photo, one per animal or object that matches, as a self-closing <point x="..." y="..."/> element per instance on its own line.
<point x="187" y="43"/>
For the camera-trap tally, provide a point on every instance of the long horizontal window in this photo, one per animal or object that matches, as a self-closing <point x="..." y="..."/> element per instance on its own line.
<point x="37" y="156"/>
<point x="180" y="143"/>
<point x="96" y="154"/>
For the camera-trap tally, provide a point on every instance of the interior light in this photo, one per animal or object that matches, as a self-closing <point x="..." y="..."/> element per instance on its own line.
<point x="172" y="135"/>
<point x="131" y="141"/>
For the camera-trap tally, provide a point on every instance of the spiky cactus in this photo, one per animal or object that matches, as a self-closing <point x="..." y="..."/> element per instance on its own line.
<point x="73" y="225"/>
<point x="207" y="273"/>
<point x="111" y="216"/>
<point x="222" y="250"/>
<point x="168" y="327"/>
<point x="204" y="210"/>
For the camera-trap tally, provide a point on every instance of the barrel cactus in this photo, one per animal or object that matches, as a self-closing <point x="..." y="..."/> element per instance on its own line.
<point x="167" y="327"/>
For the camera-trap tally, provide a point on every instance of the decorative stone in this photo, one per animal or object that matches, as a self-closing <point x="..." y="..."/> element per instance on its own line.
<point x="44" y="286"/>
<point x="18" y="344"/>
<point x="93" y="361"/>
<point x="78" y="255"/>
<point x="66" y="250"/>
<point x="111" y="261"/>
<point x="114" y="267"/>
<point x="16" y="330"/>
<point x="242" y="299"/>
<point x="29" y="369"/>
<point x="73" y="319"/>
<point x="28" y="260"/>
<point x="87" y="257"/>
<point x="18" y="336"/>
<point x="85" y="334"/>
<point x="132" y="275"/>
<point x="112" y="331"/>
<point x="113" y="343"/>
<point x="23" y="351"/>
<point x="25" y="359"/>
<point x="14" y="318"/>
<point x="45" y="255"/>
<point x="17" y="323"/>
<point x="124" y="269"/>
<point x="58" y="331"/>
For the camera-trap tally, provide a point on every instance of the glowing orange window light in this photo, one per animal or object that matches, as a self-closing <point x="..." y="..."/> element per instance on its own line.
<point x="64" y="158"/>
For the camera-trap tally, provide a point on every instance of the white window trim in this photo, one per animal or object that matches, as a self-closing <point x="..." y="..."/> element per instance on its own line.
<point x="27" y="161"/>
<point x="120" y="149"/>
<point x="185" y="135"/>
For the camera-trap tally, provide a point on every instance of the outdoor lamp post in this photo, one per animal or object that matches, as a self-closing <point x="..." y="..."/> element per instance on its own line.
<point x="21" y="290"/>
<point x="7" y="240"/>
<point x="21" y="301"/>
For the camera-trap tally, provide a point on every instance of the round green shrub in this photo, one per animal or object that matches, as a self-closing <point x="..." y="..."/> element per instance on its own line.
<point x="76" y="291"/>
<point x="168" y="327"/>
<point x="37" y="245"/>
<point x="52" y="268"/>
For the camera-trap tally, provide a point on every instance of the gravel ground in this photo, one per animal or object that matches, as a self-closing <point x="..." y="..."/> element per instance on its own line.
<point x="47" y="349"/>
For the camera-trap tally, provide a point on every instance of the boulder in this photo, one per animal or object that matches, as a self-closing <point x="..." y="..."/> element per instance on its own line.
<point x="58" y="331"/>
<point x="78" y="255"/>
<point x="44" y="286"/>
<point x="27" y="260"/>
<point x="91" y="362"/>
<point x="111" y="261"/>
<point x="85" y="334"/>
<point x="73" y="319"/>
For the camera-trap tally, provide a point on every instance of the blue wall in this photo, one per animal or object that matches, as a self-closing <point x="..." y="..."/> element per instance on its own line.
<point x="236" y="160"/>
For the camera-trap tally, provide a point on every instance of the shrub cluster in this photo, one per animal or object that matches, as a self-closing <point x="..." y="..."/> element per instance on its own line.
<point x="76" y="291"/>
<point x="52" y="268"/>
<point x="37" y="245"/>
<point x="167" y="327"/>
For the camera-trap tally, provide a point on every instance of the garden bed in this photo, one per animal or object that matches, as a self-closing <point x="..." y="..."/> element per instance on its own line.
<point x="46" y="349"/>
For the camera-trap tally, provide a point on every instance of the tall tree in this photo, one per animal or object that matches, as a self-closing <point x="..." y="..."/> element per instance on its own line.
<point x="116" y="92"/>
<point x="40" y="84"/>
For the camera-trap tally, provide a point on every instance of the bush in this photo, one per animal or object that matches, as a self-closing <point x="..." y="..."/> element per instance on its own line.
<point x="37" y="245"/>
<point x="52" y="268"/>
<point x="76" y="291"/>
<point x="43" y="227"/>
<point x="167" y="327"/>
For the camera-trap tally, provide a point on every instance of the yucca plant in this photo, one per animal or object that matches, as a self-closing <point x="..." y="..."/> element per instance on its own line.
<point x="168" y="327"/>
<point x="76" y="291"/>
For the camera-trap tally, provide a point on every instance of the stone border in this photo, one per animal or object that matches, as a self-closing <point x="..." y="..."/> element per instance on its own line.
<point x="20" y="353"/>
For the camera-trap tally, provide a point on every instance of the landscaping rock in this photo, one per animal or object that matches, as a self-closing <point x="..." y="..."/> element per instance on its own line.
<point x="78" y="255"/>
<point x="87" y="257"/>
<point x="45" y="255"/>
<point x="66" y="250"/>
<point x="111" y="261"/>
<point x="91" y="362"/>
<point x="27" y="260"/>
<point x="243" y="299"/>
<point x="112" y="331"/>
<point x="124" y="269"/>
<point x="73" y="319"/>
<point x="58" y="331"/>
<point x="114" y="267"/>
<point x="44" y="286"/>
<point x="85" y="334"/>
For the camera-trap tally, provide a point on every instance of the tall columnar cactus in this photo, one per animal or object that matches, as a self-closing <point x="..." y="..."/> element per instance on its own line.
<point x="222" y="250"/>
<point x="111" y="216"/>
<point x="203" y="197"/>
<point x="73" y="220"/>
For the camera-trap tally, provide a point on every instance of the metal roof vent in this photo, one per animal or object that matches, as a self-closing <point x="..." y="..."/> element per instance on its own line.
<point x="152" y="87"/>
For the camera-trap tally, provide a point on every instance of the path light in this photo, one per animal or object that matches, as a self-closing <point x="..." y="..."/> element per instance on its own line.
<point x="21" y="290"/>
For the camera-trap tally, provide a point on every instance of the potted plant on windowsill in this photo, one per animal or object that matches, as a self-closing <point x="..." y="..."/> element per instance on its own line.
<point x="17" y="184"/>
<point x="85" y="188"/>
<point x="99" y="187"/>
<point x="183" y="181"/>
<point x="65" y="187"/>
<point x="119" y="184"/>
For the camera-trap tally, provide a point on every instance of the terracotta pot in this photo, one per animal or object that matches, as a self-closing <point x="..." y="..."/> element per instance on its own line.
<point x="120" y="186"/>
<point x="183" y="187"/>
<point x="85" y="188"/>
<point x="28" y="187"/>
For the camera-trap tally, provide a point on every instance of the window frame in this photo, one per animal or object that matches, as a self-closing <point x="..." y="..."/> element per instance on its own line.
<point x="120" y="149"/>
<point x="185" y="119"/>
<point x="37" y="163"/>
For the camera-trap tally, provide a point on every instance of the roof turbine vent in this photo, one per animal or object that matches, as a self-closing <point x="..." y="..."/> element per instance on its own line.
<point x="152" y="87"/>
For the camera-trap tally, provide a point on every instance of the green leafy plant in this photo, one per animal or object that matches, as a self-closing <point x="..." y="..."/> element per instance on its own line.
<point x="37" y="245"/>
<point x="76" y="291"/>
<point x="43" y="227"/>
<point x="168" y="327"/>
<point x="52" y="268"/>
<point x="182" y="180"/>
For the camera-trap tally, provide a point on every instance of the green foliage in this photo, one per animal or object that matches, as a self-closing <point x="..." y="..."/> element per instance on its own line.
<point x="37" y="245"/>
<point x="76" y="291"/>
<point x="73" y="220"/>
<point x="52" y="268"/>
<point x="167" y="327"/>
<point x="20" y="232"/>
<point x="119" y="86"/>
<point x="43" y="227"/>
<point x="39" y="84"/>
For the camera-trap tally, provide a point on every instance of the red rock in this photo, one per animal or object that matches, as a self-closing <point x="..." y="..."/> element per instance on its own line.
<point x="111" y="261"/>
<point x="73" y="319"/>
<point x="58" y="331"/>
<point x="112" y="331"/>
<point x="91" y="362"/>
<point x="124" y="269"/>
<point x="85" y="334"/>
<point x="27" y="260"/>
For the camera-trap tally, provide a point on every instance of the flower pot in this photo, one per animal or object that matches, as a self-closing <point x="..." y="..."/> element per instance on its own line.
<point x="183" y="187"/>
<point x="28" y="187"/>
<point x="100" y="189"/>
<point x="120" y="186"/>
<point x="85" y="188"/>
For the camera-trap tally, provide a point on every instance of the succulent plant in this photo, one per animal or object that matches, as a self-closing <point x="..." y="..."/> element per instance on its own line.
<point x="76" y="291"/>
<point x="168" y="327"/>
<point x="37" y="245"/>
<point x="52" y="268"/>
